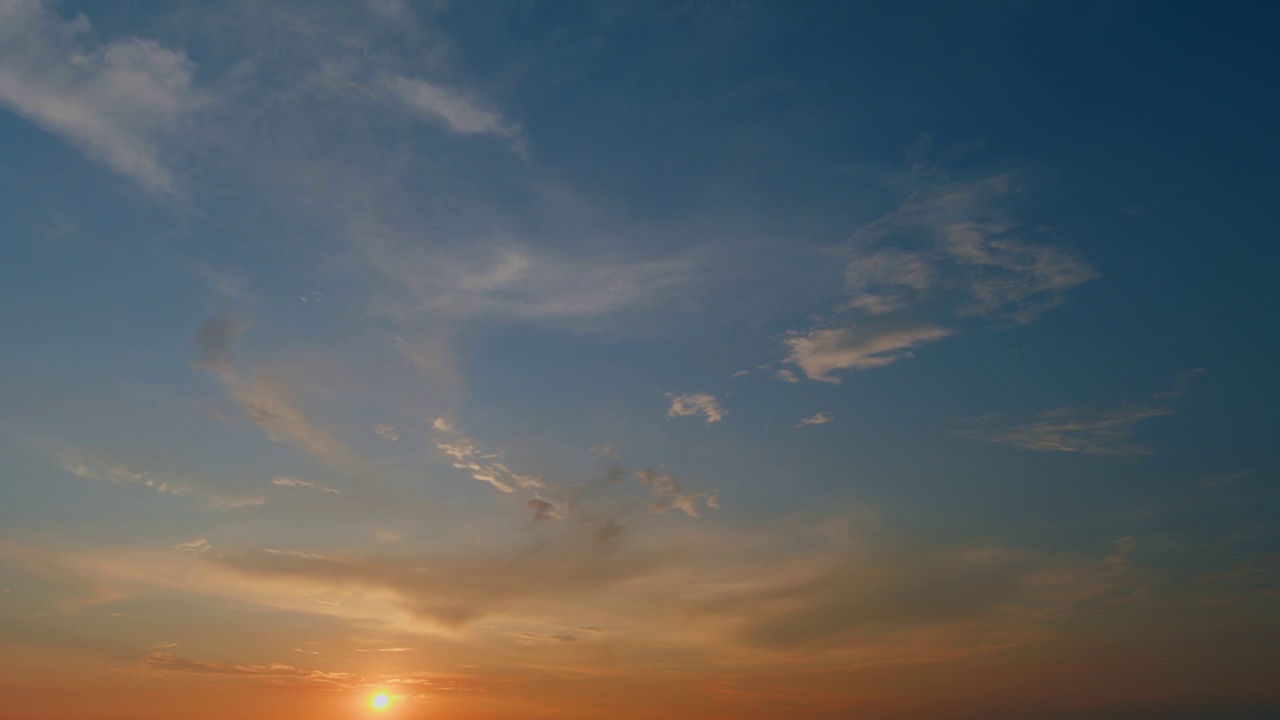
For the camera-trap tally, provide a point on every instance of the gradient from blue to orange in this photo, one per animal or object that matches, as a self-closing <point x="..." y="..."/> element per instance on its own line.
<point x="638" y="360"/>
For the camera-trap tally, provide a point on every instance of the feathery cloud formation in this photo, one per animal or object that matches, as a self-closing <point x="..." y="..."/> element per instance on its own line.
<point x="120" y="103"/>
<point x="265" y="399"/>
<point x="297" y="484"/>
<point x="1107" y="431"/>
<point x="951" y="252"/>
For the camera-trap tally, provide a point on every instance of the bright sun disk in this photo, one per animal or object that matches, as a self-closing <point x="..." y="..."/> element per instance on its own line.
<point x="380" y="701"/>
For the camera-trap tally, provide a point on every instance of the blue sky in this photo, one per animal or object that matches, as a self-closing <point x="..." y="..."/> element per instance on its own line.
<point x="788" y="358"/>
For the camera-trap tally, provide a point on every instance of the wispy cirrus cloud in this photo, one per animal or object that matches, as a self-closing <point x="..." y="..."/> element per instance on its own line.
<point x="120" y="102"/>
<point x="960" y="245"/>
<point x="1107" y="430"/>
<point x="968" y="599"/>
<point x="294" y="483"/>
<point x="1091" y="431"/>
<point x="694" y="404"/>
<point x="456" y="111"/>
<point x="266" y="399"/>
<point x="93" y="466"/>
<point x="951" y="253"/>
<point x="508" y="281"/>
<point x="274" y="673"/>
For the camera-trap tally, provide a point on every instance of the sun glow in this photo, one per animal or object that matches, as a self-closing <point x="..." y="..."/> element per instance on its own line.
<point x="380" y="701"/>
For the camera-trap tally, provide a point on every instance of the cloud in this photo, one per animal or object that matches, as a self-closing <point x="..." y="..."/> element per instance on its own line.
<point x="887" y="280"/>
<point x="1221" y="479"/>
<point x="786" y="376"/>
<point x="270" y="404"/>
<point x="667" y="493"/>
<point x="820" y="352"/>
<point x="1182" y="383"/>
<point x="509" y="281"/>
<point x="1256" y="566"/>
<point x="951" y="252"/>
<point x="119" y="103"/>
<point x="716" y="595"/>
<point x="692" y="404"/>
<point x="1010" y="276"/>
<point x="195" y="545"/>
<point x="485" y="467"/>
<point x="267" y="399"/>
<point x="816" y="419"/>
<point x="274" y="674"/>
<point x="955" y="246"/>
<point x="295" y="483"/>
<point x="223" y="282"/>
<point x="967" y="599"/>
<point x="92" y="467"/>
<point x="216" y="342"/>
<point x="530" y="638"/>
<point x="611" y="529"/>
<point x="386" y="431"/>
<point x="1107" y="431"/>
<point x="543" y="510"/>
<point x="457" y="112"/>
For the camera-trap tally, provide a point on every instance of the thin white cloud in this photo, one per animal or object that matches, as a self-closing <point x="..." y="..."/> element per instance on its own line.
<point x="693" y="404"/>
<point x="821" y="418"/>
<point x="507" y="281"/>
<point x="1107" y="431"/>
<point x="456" y="111"/>
<point x="386" y="431"/>
<point x="195" y="545"/>
<point x="92" y="467"/>
<point x="667" y="493"/>
<point x="118" y="103"/>
<point x="296" y="484"/>
<point x="821" y="352"/>
<point x="485" y="467"/>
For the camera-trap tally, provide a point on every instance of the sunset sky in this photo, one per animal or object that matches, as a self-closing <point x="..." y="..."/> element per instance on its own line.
<point x="576" y="360"/>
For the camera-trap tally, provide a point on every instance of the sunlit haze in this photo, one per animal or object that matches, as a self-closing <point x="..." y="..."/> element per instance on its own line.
<point x="519" y="359"/>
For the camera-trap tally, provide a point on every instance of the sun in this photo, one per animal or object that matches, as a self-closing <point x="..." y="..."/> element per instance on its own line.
<point x="380" y="701"/>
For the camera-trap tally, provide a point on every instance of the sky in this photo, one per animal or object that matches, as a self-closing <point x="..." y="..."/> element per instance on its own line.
<point x="569" y="360"/>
